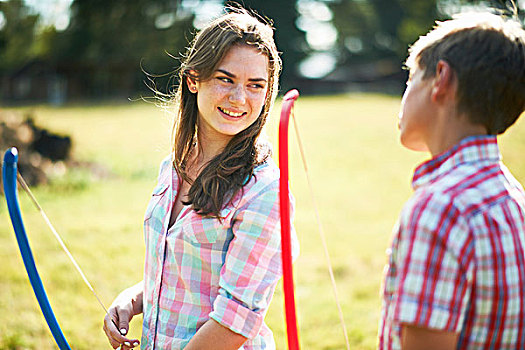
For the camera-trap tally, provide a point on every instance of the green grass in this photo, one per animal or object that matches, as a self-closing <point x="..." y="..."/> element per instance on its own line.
<point x="360" y="173"/>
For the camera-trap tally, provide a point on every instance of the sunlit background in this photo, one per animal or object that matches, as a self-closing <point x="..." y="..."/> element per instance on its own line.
<point x="74" y="75"/>
<point x="63" y="50"/>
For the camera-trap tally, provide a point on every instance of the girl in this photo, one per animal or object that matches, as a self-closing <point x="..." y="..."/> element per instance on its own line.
<point x="212" y="227"/>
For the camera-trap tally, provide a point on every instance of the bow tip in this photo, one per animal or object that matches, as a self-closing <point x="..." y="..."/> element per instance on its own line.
<point x="291" y="95"/>
<point x="11" y="156"/>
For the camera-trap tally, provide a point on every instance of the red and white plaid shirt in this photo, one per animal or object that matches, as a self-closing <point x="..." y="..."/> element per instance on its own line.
<point x="457" y="260"/>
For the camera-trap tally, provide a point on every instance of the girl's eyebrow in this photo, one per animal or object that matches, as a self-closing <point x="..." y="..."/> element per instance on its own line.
<point x="231" y="75"/>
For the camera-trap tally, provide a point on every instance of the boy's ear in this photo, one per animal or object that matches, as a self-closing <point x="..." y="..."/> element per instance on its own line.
<point x="191" y="82"/>
<point x="444" y="81"/>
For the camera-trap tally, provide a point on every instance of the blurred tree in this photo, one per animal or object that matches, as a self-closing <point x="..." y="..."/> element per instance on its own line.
<point x="17" y="35"/>
<point x="111" y="39"/>
<point x="379" y="29"/>
<point x="511" y="8"/>
<point x="377" y="33"/>
<point x="385" y="28"/>
<point x="106" y="44"/>
<point x="290" y="40"/>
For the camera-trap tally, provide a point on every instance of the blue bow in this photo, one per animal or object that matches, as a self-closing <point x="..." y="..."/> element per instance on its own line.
<point x="9" y="173"/>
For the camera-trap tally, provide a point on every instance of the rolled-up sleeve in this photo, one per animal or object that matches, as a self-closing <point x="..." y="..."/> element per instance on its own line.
<point x="252" y="264"/>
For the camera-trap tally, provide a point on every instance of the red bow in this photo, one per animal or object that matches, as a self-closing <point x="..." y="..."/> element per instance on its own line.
<point x="289" y="299"/>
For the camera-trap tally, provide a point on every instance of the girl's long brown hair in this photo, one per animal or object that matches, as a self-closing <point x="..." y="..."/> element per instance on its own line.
<point x="226" y="174"/>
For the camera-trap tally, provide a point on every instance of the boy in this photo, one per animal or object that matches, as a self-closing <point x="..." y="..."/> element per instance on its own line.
<point x="456" y="272"/>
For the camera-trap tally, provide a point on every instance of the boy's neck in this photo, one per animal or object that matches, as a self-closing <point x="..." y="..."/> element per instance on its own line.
<point x="450" y="130"/>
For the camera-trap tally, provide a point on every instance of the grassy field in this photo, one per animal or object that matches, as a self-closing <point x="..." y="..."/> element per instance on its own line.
<point x="360" y="173"/>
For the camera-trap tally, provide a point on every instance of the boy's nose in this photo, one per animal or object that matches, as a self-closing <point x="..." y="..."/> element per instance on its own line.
<point x="238" y="95"/>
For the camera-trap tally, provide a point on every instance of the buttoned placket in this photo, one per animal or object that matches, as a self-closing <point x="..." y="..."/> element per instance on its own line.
<point x="161" y="256"/>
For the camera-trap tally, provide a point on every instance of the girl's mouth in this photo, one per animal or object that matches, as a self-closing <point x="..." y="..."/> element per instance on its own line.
<point x="231" y="113"/>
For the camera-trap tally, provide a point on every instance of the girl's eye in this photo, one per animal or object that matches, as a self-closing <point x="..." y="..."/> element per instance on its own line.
<point x="257" y="86"/>
<point x="225" y="79"/>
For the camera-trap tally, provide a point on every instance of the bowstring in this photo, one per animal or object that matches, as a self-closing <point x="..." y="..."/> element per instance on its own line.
<point x="24" y="185"/>
<point x="320" y="229"/>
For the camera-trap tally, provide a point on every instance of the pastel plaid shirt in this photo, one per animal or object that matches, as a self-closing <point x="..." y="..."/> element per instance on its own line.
<point x="457" y="259"/>
<point x="203" y="268"/>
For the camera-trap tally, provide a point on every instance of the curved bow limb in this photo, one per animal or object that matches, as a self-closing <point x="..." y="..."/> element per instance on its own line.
<point x="9" y="174"/>
<point x="284" y="197"/>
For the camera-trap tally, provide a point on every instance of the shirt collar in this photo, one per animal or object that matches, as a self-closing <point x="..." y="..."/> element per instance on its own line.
<point x="470" y="149"/>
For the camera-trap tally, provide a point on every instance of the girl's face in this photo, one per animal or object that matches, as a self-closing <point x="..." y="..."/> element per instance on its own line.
<point x="233" y="98"/>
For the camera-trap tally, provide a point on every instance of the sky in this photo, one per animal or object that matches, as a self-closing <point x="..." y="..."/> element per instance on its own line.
<point x="54" y="12"/>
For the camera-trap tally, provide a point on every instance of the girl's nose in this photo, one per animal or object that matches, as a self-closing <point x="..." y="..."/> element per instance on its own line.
<point x="238" y="95"/>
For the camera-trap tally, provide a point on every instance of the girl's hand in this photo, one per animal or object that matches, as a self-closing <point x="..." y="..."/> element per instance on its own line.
<point x="120" y="313"/>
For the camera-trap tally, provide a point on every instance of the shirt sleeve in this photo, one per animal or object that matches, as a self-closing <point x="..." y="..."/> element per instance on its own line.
<point x="434" y="256"/>
<point x="252" y="265"/>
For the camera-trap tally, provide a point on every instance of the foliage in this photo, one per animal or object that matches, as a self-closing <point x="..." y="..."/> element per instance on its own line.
<point x="17" y="36"/>
<point x="510" y="8"/>
<point x="112" y="39"/>
<point x="383" y="29"/>
<point x="108" y="43"/>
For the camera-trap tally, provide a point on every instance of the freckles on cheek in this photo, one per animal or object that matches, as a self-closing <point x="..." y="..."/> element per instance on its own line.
<point x="219" y="90"/>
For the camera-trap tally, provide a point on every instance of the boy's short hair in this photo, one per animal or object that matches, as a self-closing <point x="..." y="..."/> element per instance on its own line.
<point x="487" y="54"/>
